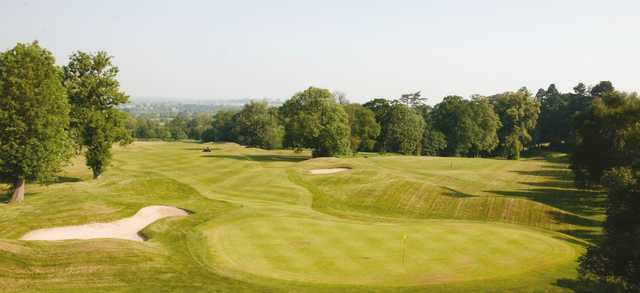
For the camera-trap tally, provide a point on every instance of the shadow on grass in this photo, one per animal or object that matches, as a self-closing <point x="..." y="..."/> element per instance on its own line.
<point x="592" y="236"/>
<point x="65" y="179"/>
<point x="586" y="203"/>
<point x="587" y="286"/>
<point x="261" y="158"/>
<point x="5" y="196"/>
<point x="201" y="148"/>
<point x="557" y="189"/>
<point x="456" y="193"/>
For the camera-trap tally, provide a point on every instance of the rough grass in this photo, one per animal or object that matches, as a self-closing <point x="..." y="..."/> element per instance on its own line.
<point x="261" y="223"/>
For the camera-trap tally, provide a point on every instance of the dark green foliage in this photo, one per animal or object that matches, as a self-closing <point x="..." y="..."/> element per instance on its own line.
<point x="257" y="125"/>
<point x="34" y="115"/>
<point x="313" y="119"/>
<point x="381" y="109"/>
<point x="198" y="125"/>
<point x="364" y="128"/>
<point x="617" y="257"/>
<point x="178" y="126"/>
<point x="404" y="130"/>
<point x="555" y="119"/>
<point x="402" y="127"/>
<point x="433" y="142"/>
<point x="94" y="94"/>
<point x="557" y="113"/>
<point x="469" y="126"/>
<point x="605" y="137"/>
<point x="518" y="113"/>
<point x="602" y="88"/>
<point x="221" y="127"/>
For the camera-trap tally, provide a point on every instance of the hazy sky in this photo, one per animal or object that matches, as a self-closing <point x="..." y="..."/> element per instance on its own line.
<point x="272" y="49"/>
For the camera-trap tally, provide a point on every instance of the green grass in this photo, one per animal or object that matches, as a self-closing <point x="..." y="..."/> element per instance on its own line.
<point x="262" y="223"/>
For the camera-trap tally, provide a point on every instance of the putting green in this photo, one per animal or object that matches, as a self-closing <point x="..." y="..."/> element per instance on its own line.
<point x="347" y="252"/>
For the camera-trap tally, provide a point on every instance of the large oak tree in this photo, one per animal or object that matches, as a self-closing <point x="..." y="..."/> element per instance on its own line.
<point x="34" y="117"/>
<point x="313" y="119"/>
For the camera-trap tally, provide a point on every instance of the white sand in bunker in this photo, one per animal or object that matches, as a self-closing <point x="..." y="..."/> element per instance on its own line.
<point x="328" y="171"/>
<point x="126" y="228"/>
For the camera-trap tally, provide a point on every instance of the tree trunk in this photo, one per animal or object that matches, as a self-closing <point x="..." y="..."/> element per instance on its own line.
<point x="18" y="191"/>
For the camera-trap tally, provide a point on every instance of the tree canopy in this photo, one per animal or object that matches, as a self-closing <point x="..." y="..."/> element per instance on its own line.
<point x="605" y="136"/>
<point x="257" y="125"/>
<point x="518" y="112"/>
<point x="313" y="119"/>
<point x="404" y="130"/>
<point x="94" y="93"/>
<point x="34" y="117"/>
<point x="364" y="127"/>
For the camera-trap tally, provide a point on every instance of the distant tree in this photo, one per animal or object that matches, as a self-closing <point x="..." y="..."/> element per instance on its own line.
<point x="433" y="141"/>
<point x="603" y="137"/>
<point x="580" y="89"/>
<point x="452" y="117"/>
<point x="405" y="129"/>
<point x="484" y="136"/>
<point x="364" y="128"/>
<point x="518" y="113"/>
<point x="341" y="97"/>
<point x="94" y="94"/>
<point x="412" y="100"/>
<point x="34" y="117"/>
<point x="178" y="126"/>
<point x="602" y="88"/>
<point x="198" y="124"/>
<point x="257" y="125"/>
<point x="221" y="126"/>
<point x="555" y="117"/>
<point x="381" y="109"/>
<point x="313" y="119"/>
<point x="469" y="125"/>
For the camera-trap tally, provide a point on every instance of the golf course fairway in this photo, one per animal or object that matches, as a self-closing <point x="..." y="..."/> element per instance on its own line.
<point x="260" y="221"/>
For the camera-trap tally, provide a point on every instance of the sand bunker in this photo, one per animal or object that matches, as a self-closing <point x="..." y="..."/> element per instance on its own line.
<point x="126" y="228"/>
<point x="327" y="171"/>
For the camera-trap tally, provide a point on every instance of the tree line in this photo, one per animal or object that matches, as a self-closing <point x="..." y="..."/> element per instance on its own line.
<point x="504" y="124"/>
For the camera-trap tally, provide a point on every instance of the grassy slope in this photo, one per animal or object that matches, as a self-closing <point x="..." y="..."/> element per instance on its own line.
<point x="177" y="256"/>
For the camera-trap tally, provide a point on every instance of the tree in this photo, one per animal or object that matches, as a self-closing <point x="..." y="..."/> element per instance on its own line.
<point x="469" y="126"/>
<point x="221" y="127"/>
<point x="518" y="113"/>
<point x="198" y="124"/>
<point x="602" y="88"/>
<point x="257" y="125"/>
<point x="364" y="128"/>
<point x="484" y="136"/>
<point x="34" y="116"/>
<point x="381" y="109"/>
<point x="313" y="119"/>
<point x="617" y="256"/>
<point x="412" y="100"/>
<point x="94" y="94"/>
<point x="555" y="120"/>
<point x="603" y="137"/>
<point x="405" y="128"/>
<point x="178" y="126"/>
<point x="453" y="118"/>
